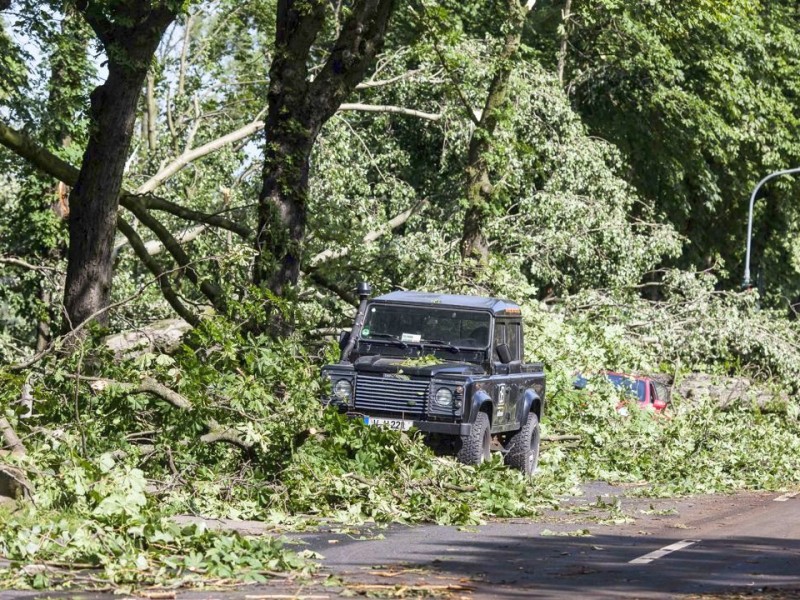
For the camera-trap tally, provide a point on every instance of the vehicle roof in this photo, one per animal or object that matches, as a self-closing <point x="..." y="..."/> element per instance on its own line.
<point x="496" y="306"/>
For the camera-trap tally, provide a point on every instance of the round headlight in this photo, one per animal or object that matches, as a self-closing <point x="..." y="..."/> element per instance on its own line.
<point x="444" y="397"/>
<point x="343" y="389"/>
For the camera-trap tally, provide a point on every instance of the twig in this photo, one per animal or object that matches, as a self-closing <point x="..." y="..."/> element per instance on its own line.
<point x="561" y="438"/>
<point x="18" y="262"/>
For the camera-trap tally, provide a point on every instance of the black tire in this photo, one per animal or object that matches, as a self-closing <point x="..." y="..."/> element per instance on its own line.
<point x="475" y="447"/>
<point x="523" y="447"/>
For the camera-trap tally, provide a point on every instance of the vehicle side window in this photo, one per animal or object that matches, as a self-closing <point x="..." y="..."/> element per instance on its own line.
<point x="641" y="391"/>
<point x="512" y="339"/>
<point x="662" y="391"/>
<point x="499" y="337"/>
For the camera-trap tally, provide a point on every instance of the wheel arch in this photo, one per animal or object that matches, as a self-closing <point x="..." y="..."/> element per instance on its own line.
<point x="481" y="402"/>
<point x="531" y="402"/>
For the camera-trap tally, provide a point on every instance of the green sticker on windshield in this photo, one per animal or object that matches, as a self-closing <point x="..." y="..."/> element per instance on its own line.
<point x="365" y="331"/>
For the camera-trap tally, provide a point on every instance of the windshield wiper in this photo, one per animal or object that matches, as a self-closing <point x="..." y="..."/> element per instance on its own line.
<point x="443" y="344"/>
<point x="388" y="336"/>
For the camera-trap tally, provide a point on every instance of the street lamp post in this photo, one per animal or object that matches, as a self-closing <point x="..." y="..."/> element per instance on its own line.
<point x="746" y="281"/>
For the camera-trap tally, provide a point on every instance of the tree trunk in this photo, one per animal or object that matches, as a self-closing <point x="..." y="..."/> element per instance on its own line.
<point x="282" y="208"/>
<point x="130" y="43"/>
<point x="566" y="14"/>
<point x="95" y="199"/>
<point x="478" y="190"/>
<point x="297" y="110"/>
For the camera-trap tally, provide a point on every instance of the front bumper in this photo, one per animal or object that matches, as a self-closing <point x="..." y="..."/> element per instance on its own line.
<point x="461" y="429"/>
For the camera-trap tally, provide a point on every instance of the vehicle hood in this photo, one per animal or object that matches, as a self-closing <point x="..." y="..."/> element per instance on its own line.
<point x="379" y="364"/>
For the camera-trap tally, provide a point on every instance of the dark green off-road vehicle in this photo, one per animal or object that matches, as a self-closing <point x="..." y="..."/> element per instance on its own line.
<point x="451" y="366"/>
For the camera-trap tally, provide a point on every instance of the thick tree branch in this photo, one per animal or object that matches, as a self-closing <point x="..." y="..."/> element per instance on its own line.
<point x="382" y="108"/>
<point x="216" y="432"/>
<point x="76" y="330"/>
<point x="157" y="203"/>
<point x="359" y="42"/>
<point x="155" y="247"/>
<point x="21" y="145"/>
<point x="11" y="439"/>
<point x="163" y="279"/>
<point x="337" y="289"/>
<point x="389" y="226"/>
<point x="297" y="27"/>
<point x="23" y="264"/>
<point x="209" y="289"/>
<point x="197" y="153"/>
<point x="227" y="435"/>
<point x="373" y="83"/>
<point x="52" y="165"/>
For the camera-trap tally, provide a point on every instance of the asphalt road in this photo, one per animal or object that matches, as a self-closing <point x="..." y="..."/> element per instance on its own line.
<point x="608" y="543"/>
<point x="705" y="545"/>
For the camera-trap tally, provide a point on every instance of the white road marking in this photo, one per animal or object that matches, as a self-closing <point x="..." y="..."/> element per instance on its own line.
<point x="786" y="496"/>
<point x="648" y="558"/>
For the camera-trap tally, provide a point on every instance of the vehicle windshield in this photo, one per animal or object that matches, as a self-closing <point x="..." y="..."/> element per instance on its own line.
<point x="432" y="326"/>
<point x="628" y="384"/>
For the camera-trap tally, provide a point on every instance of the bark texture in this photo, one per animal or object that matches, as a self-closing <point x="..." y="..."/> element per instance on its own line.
<point x="130" y="37"/>
<point x="297" y="110"/>
<point x="478" y="183"/>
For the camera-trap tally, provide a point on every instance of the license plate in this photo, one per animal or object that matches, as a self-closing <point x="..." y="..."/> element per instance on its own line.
<point x="396" y="424"/>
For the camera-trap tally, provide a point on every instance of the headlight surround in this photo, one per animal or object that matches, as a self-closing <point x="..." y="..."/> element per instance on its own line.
<point x="343" y="389"/>
<point x="443" y="398"/>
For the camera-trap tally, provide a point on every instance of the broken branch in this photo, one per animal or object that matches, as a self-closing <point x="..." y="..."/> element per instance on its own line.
<point x="12" y="441"/>
<point x="216" y="433"/>
<point x="192" y="155"/>
<point x="384" y="108"/>
<point x="370" y="237"/>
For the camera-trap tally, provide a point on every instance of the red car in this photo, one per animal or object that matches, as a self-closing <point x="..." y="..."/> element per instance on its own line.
<point x="647" y="391"/>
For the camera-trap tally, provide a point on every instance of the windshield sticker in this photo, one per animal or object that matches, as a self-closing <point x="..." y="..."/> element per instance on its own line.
<point x="365" y="332"/>
<point x="414" y="338"/>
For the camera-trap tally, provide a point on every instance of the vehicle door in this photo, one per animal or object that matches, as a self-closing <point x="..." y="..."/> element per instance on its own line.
<point x="509" y="388"/>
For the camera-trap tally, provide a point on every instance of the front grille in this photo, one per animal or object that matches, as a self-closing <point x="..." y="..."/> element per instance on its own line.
<point x="387" y="394"/>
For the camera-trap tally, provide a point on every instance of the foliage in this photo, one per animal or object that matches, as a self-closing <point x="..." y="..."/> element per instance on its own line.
<point x="700" y="99"/>
<point x="120" y="539"/>
<point x="696" y="448"/>
<point x="110" y="466"/>
<point x="641" y="159"/>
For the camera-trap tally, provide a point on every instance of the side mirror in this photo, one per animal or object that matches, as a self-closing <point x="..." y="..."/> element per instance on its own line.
<point x="504" y="353"/>
<point x="344" y="337"/>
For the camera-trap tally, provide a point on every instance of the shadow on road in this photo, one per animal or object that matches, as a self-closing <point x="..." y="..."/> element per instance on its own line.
<point x="514" y="565"/>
